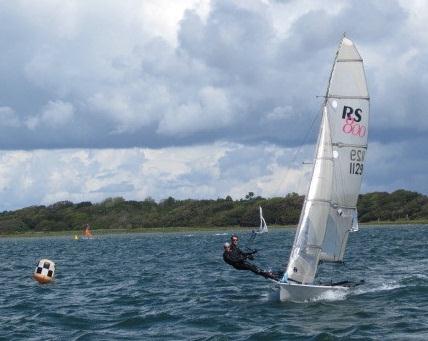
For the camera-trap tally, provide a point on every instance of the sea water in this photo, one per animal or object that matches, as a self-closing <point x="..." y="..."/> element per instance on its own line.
<point x="177" y="287"/>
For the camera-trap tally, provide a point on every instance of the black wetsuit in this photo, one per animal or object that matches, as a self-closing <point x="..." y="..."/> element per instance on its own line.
<point x="238" y="260"/>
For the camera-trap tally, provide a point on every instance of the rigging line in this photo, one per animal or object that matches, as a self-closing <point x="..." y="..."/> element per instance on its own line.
<point x="297" y="151"/>
<point x="304" y="140"/>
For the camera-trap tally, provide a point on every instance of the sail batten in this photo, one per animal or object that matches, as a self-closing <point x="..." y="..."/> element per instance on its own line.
<point x="319" y="200"/>
<point x="341" y="145"/>
<point x="348" y="97"/>
<point x="348" y="60"/>
<point x="329" y="210"/>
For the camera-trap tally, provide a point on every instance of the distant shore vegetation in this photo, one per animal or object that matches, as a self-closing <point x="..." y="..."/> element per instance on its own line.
<point x="117" y="213"/>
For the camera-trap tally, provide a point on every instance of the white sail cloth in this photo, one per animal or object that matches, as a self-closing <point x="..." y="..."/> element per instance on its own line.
<point x="330" y="205"/>
<point x="263" y="226"/>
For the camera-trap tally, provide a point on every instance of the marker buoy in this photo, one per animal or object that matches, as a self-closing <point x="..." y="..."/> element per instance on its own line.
<point x="45" y="271"/>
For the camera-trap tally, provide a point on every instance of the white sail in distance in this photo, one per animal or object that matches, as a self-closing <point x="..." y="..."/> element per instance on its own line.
<point x="263" y="226"/>
<point x="330" y="204"/>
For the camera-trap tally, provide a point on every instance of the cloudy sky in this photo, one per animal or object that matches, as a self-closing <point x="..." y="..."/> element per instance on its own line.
<point x="198" y="98"/>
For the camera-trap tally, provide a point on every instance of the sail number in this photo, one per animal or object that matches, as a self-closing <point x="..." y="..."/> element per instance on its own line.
<point x="357" y="161"/>
<point x="350" y="127"/>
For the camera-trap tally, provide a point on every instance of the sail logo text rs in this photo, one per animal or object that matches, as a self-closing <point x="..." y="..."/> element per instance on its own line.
<point x="348" y="111"/>
<point x="351" y="126"/>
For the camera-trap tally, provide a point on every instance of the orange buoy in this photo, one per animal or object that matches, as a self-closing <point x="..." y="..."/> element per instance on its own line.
<point x="87" y="233"/>
<point x="45" y="271"/>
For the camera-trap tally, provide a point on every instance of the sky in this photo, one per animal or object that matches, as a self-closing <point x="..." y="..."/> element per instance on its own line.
<point x="198" y="98"/>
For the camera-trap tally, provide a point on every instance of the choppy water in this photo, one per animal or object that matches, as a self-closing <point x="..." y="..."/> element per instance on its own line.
<point x="176" y="287"/>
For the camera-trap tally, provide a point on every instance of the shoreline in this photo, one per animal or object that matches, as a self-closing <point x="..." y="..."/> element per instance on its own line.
<point x="97" y="232"/>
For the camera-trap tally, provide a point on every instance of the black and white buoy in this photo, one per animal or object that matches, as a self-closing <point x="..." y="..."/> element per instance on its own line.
<point x="45" y="271"/>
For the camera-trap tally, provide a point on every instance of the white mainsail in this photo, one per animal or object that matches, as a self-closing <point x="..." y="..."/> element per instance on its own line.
<point x="329" y="210"/>
<point x="263" y="226"/>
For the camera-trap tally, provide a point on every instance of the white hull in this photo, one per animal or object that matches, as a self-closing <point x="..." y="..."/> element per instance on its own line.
<point x="307" y="292"/>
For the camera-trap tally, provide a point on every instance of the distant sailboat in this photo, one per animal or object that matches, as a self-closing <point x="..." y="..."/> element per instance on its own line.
<point x="263" y="226"/>
<point x="330" y="208"/>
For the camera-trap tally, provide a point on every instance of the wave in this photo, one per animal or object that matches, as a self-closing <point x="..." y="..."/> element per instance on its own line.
<point x="331" y="296"/>
<point x="367" y="288"/>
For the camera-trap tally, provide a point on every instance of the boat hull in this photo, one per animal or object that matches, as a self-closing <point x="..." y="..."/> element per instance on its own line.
<point x="308" y="292"/>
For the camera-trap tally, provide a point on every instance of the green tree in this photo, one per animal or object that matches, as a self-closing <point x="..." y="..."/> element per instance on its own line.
<point x="249" y="196"/>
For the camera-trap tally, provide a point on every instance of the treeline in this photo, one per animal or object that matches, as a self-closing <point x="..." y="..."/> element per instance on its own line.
<point x="117" y="213"/>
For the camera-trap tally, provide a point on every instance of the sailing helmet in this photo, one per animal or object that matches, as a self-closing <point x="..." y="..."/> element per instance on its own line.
<point x="226" y="245"/>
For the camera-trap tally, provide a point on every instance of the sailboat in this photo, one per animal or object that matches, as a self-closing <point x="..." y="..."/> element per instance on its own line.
<point x="329" y="212"/>
<point x="263" y="226"/>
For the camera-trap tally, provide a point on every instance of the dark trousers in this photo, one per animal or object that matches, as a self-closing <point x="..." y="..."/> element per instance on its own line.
<point x="244" y="265"/>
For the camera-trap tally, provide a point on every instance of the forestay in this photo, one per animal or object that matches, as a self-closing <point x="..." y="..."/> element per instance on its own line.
<point x="329" y="212"/>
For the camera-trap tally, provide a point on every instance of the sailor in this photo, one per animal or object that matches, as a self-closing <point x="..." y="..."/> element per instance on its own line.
<point x="233" y="255"/>
<point x="234" y="246"/>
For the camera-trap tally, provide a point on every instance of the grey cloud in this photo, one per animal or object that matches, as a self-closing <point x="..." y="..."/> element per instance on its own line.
<point x="55" y="114"/>
<point x="396" y="165"/>
<point x="8" y="117"/>
<point x="245" y="163"/>
<point x="235" y="40"/>
<point x="226" y="78"/>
